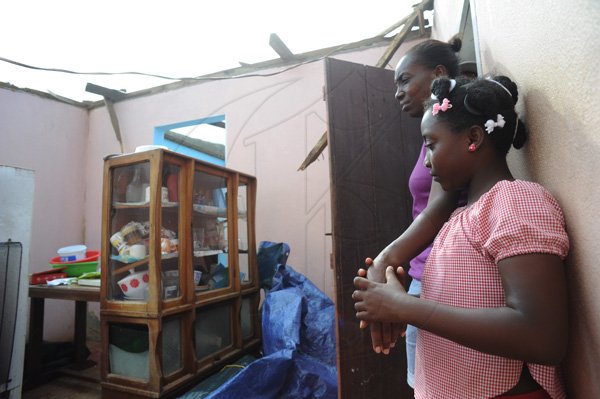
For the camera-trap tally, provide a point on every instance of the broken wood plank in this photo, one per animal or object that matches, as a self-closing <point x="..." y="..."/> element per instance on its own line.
<point x="398" y="39"/>
<point x="315" y="152"/>
<point x="408" y="22"/>
<point x="280" y="48"/>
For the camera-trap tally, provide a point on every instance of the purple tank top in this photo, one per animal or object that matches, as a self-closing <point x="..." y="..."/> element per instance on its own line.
<point x="419" y="185"/>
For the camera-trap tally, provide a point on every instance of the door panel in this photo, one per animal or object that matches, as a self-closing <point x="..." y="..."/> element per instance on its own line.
<point x="373" y="147"/>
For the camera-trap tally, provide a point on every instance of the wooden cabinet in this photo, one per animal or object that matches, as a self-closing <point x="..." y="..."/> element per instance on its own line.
<point x="179" y="293"/>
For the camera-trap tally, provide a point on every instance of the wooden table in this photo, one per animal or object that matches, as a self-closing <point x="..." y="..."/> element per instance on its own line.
<point x="38" y="294"/>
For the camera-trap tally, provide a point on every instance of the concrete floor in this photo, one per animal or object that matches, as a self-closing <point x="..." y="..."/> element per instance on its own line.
<point x="68" y="384"/>
<point x="65" y="387"/>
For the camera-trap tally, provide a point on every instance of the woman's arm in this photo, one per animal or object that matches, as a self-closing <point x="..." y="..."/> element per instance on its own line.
<point x="418" y="235"/>
<point x="411" y="243"/>
<point x="532" y="327"/>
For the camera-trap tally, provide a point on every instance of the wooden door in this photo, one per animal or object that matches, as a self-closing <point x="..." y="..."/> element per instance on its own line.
<point x="373" y="147"/>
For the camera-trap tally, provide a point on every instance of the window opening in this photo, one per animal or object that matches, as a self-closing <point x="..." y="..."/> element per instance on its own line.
<point x="204" y="139"/>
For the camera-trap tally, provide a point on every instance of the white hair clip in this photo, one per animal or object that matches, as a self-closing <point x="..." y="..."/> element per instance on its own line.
<point x="490" y="125"/>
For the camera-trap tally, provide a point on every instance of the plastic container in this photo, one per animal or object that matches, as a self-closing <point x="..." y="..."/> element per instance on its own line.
<point x="135" y="188"/>
<point x="90" y="256"/>
<point x="76" y="269"/>
<point x="47" y="275"/>
<point x="72" y="253"/>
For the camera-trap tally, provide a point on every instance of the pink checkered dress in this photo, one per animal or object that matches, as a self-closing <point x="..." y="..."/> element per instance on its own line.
<point x="513" y="218"/>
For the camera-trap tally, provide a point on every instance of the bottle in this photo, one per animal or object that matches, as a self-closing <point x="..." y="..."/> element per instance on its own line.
<point x="135" y="188"/>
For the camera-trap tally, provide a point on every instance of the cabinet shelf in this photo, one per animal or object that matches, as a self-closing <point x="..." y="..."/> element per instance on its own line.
<point x="207" y="252"/>
<point x="210" y="210"/>
<point x="145" y="204"/>
<point x="129" y="266"/>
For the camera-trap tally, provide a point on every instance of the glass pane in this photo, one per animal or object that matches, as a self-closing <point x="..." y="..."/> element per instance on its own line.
<point x="209" y="232"/>
<point x="129" y="226"/>
<point x="242" y="204"/>
<point x="171" y="346"/>
<point x="212" y="330"/>
<point x="128" y="349"/>
<point x="246" y="318"/>
<point x="169" y="232"/>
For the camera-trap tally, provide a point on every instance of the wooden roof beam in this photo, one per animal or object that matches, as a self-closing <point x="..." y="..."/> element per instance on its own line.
<point x="110" y="96"/>
<point x="280" y="48"/>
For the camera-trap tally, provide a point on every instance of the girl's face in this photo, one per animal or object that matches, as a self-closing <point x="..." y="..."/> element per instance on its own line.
<point x="413" y="85"/>
<point x="447" y="155"/>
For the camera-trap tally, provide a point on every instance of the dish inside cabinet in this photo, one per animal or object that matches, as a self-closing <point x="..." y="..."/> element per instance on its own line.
<point x="210" y="233"/>
<point x="129" y="233"/>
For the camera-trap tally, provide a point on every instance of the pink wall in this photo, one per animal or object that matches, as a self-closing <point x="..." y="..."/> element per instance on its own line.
<point x="272" y="123"/>
<point x="50" y="138"/>
<point x="547" y="50"/>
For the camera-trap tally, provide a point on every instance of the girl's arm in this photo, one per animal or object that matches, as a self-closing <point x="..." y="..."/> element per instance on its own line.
<point x="532" y="327"/>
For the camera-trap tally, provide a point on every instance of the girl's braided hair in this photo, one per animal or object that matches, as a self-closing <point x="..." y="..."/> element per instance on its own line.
<point x="475" y="102"/>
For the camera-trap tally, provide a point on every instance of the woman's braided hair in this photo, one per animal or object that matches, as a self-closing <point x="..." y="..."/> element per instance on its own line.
<point x="431" y="53"/>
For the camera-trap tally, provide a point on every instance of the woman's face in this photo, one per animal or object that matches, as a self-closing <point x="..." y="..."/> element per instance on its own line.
<point x="447" y="156"/>
<point x="413" y="85"/>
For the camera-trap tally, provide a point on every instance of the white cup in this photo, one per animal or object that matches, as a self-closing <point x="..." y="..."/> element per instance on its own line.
<point x="164" y="195"/>
<point x="137" y="251"/>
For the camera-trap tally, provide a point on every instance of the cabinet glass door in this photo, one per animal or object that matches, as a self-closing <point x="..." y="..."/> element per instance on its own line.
<point x="129" y="228"/>
<point x="210" y="232"/>
<point x="212" y="330"/>
<point x="171" y="345"/>
<point x="248" y="314"/>
<point x="128" y="349"/>
<point x="169" y="232"/>
<point x="243" y="236"/>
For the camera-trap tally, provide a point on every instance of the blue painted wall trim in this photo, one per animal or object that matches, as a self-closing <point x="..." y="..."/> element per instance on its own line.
<point x="159" y="139"/>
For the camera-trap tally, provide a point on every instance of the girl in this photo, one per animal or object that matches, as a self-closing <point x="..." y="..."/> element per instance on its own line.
<point x="492" y="315"/>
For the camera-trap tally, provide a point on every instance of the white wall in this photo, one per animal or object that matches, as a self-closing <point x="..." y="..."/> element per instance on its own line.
<point x="550" y="48"/>
<point x="447" y="19"/>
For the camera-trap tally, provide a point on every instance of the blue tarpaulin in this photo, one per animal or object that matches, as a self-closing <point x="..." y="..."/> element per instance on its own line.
<point x="299" y="362"/>
<point x="269" y="257"/>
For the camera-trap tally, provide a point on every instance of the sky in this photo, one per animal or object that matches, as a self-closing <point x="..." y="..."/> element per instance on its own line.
<point x="175" y="38"/>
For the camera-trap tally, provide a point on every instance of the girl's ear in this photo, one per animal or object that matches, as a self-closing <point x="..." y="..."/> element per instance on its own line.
<point x="476" y="135"/>
<point x="440" y="70"/>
